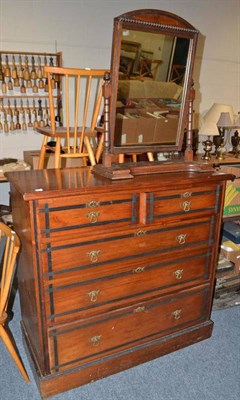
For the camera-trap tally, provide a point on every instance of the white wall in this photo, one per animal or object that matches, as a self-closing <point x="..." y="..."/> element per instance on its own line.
<point x="82" y="30"/>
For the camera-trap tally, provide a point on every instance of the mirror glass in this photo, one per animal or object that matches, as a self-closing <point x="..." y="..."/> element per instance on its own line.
<point x="151" y="78"/>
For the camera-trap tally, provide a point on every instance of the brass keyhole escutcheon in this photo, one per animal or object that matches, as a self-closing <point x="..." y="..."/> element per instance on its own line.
<point x="95" y="340"/>
<point x="186" y="195"/>
<point x="181" y="238"/>
<point x="93" y="204"/>
<point x="186" y="206"/>
<point x="93" y="216"/>
<point x="93" y="255"/>
<point x="178" y="273"/>
<point x="138" y="270"/>
<point x="177" y="314"/>
<point x="93" y="295"/>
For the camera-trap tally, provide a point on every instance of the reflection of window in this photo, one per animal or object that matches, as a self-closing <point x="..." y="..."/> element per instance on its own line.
<point x="179" y="60"/>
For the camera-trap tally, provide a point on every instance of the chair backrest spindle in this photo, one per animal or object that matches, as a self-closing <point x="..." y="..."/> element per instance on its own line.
<point x="78" y="88"/>
<point x="51" y="103"/>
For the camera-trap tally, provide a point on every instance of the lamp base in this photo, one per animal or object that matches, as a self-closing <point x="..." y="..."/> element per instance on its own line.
<point x="207" y="149"/>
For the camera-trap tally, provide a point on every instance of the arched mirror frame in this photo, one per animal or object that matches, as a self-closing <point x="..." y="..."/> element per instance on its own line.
<point x="157" y="21"/>
<point x="154" y="21"/>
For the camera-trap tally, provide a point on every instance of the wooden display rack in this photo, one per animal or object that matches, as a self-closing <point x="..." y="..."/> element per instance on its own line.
<point x="24" y="89"/>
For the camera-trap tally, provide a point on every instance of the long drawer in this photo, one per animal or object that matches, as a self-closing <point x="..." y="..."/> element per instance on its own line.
<point x="70" y="299"/>
<point x="84" y="253"/>
<point x="87" y="340"/>
<point x="95" y="213"/>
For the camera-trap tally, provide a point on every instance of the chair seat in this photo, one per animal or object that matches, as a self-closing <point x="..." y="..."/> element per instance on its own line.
<point x="62" y="131"/>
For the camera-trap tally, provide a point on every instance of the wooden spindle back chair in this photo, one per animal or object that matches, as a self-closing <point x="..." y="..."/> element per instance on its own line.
<point x="82" y="100"/>
<point x="10" y="246"/>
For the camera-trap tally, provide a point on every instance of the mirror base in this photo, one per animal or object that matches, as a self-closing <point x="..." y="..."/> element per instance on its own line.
<point x="114" y="172"/>
<point x="129" y="170"/>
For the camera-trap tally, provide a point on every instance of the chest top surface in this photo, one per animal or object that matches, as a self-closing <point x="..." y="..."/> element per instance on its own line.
<point x="39" y="184"/>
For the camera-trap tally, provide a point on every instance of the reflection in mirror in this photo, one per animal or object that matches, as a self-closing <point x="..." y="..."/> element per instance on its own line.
<point x="150" y="88"/>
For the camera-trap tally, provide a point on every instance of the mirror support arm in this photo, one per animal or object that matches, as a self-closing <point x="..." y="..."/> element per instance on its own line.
<point x="188" y="155"/>
<point x="107" y="89"/>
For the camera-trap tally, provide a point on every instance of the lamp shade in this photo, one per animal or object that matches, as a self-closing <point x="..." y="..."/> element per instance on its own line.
<point x="225" y="120"/>
<point x="209" y="128"/>
<point x="215" y="111"/>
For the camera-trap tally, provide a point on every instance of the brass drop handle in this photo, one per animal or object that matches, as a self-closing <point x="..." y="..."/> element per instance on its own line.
<point x="177" y="314"/>
<point x="95" y="340"/>
<point x="93" y="295"/>
<point x="178" y="273"/>
<point x="138" y="270"/>
<point x="186" y="206"/>
<point x="139" y="309"/>
<point x="93" y="216"/>
<point x="181" y="238"/>
<point x="93" y="255"/>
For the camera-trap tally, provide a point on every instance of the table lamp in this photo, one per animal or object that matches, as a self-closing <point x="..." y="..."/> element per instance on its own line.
<point x="225" y="125"/>
<point x="209" y="129"/>
<point x="222" y="115"/>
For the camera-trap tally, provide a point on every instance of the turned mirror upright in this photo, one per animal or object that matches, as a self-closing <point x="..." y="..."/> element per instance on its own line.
<point x="149" y="94"/>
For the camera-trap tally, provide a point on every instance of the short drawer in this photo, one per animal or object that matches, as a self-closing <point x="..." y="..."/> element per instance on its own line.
<point x="151" y="241"/>
<point x="91" y="213"/>
<point x="72" y="299"/>
<point x="88" y="340"/>
<point x="184" y="202"/>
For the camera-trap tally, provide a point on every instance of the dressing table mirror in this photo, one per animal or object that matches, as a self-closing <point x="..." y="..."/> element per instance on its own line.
<point x="149" y="94"/>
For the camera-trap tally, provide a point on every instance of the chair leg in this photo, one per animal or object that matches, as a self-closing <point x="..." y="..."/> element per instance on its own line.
<point x="42" y="153"/>
<point x="150" y="156"/>
<point x="57" y="152"/>
<point x="134" y="157"/>
<point x="90" y="151"/>
<point x="99" y="148"/>
<point x="121" y="158"/>
<point x="84" y="161"/>
<point x="13" y="353"/>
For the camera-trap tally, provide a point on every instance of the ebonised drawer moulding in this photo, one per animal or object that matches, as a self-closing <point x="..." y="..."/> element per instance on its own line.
<point x="113" y="273"/>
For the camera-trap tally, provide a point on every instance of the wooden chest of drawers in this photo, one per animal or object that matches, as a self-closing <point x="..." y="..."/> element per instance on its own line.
<point x="113" y="274"/>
